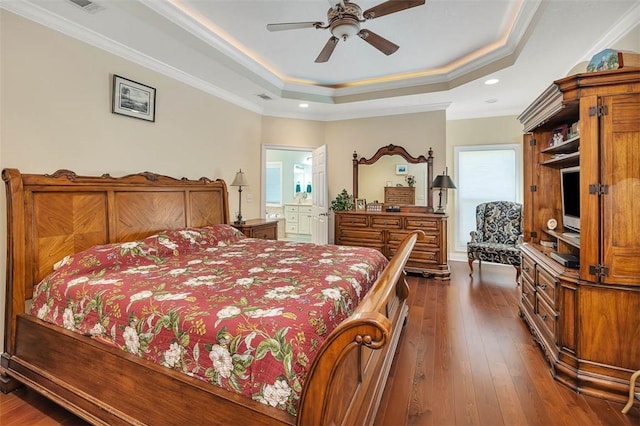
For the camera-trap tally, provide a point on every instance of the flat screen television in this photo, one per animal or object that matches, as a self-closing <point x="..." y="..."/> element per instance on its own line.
<point x="570" y="188"/>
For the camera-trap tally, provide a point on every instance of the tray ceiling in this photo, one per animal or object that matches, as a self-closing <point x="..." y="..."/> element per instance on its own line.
<point x="448" y="49"/>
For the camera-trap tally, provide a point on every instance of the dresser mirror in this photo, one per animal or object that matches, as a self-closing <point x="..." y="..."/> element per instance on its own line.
<point x="389" y="167"/>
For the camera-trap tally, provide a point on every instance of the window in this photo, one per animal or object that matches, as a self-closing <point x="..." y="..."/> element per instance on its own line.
<point x="484" y="173"/>
<point x="273" y="186"/>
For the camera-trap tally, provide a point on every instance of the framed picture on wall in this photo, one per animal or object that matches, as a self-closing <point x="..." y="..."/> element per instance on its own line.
<point x="133" y="99"/>
<point x="401" y="169"/>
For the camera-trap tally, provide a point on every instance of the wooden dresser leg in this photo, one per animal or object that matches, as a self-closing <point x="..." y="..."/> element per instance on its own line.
<point x="8" y="384"/>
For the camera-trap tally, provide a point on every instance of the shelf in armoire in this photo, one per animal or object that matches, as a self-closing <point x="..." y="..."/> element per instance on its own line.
<point x="564" y="160"/>
<point x="572" y="241"/>
<point x="566" y="147"/>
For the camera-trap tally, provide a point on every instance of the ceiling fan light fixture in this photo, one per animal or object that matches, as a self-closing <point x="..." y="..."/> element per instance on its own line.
<point x="345" y="28"/>
<point x="343" y="21"/>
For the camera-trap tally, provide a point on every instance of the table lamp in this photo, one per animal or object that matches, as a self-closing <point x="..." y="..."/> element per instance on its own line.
<point x="240" y="180"/>
<point x="442" y="182"/>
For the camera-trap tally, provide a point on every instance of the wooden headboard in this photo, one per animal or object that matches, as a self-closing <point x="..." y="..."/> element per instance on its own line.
<point x="51" y="216"/>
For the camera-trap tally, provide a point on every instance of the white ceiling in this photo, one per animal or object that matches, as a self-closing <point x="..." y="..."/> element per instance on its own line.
<point x="448" y="48"/>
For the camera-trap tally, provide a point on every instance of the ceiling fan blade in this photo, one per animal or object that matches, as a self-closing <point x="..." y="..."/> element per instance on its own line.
<point x="327" y="50"/>
<point x="391" y="6"/>
<point x="380" y="43"/>
<point x="293" y="26"/>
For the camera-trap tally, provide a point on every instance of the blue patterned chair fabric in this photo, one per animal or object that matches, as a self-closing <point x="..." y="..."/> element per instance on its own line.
<point x="498" y="234"/>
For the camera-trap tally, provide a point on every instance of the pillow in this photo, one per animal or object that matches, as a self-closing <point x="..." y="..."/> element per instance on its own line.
<point x="65" y="260"/>
<point x="152" y="249"/>
<point x="99" y="257"/>
<point x="186" y="240"/>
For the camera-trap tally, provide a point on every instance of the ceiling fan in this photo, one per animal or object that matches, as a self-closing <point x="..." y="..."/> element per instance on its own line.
<point x="344" y="19"/>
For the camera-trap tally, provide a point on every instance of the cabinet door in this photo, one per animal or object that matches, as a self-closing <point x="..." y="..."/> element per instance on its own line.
<point x="621" y="174"/>
<point x="304" y="220"/>
<point x="541" y="197"/>
<point x="589" y="175"/>
<point x="529" y="179"/>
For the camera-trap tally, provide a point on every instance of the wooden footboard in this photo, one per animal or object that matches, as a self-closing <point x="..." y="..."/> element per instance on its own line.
<point x="349" y="374"/>
<point x="51" y="216"/>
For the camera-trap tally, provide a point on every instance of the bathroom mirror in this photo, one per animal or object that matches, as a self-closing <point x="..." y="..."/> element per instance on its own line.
<point x="391" y="165"/>
<point x="302" y="179"/>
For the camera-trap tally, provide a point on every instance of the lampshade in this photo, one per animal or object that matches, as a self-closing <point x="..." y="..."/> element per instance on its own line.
<point x="240" y="179"/>
<point x="443" y="181"/>
<point x="345" y="28"/>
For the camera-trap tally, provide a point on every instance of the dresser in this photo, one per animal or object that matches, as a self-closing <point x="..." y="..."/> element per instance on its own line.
<point x="384" y="231"/>
<point x="259" y="228"/>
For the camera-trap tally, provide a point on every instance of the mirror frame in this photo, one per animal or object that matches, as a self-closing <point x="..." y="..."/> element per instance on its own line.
<point x="397" y="150"/>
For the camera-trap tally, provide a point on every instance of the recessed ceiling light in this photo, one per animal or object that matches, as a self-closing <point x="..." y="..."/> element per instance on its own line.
<point x="491" y="101"/>
<point x="491" y="81"/>
<point x="304" y="105"/>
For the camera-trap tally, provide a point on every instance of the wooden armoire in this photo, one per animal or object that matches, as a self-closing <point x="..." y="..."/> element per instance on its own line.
<point x="587" y="317"/>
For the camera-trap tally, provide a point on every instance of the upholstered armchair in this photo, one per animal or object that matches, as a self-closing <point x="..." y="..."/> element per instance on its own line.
<point x="498" y="234"/>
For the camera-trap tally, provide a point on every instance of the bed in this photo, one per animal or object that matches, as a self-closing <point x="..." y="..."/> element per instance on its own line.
<point x="50" y="217"/>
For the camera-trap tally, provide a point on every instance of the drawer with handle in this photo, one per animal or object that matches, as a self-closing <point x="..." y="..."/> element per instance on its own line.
<point x="547" y="286"/>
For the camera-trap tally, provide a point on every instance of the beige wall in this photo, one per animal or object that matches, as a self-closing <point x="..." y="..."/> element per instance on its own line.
<point x="630" y="42"/>
<point x="55" y="112"/>
<point x="480" y="131"/>
<point x="290" y="132"/>
<point x="415" y="132"/>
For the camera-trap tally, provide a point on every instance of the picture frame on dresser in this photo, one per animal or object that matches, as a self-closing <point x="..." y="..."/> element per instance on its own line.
<point x="361" y="204"/>
<point x="133" y="99"/>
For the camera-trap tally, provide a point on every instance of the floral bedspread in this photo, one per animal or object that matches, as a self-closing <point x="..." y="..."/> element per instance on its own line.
<point x="245" y="314"/>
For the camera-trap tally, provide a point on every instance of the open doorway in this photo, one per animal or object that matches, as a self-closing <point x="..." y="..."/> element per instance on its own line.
<point x="288" y="191"/>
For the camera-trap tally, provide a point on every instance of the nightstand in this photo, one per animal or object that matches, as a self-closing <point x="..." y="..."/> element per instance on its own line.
<point x="259" y="228"/>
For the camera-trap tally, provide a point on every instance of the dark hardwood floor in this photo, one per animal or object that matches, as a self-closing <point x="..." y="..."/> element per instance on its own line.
<point x="465" y="358"/>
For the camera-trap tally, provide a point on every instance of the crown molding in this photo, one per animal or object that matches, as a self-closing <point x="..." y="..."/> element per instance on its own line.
<point x="200" y="30"/>
<point x="60" y="24"/>
<point x="370" y="113"/>
<point x="619" y="30"/>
